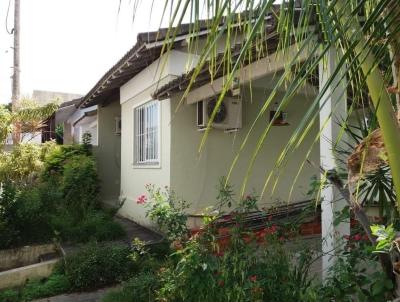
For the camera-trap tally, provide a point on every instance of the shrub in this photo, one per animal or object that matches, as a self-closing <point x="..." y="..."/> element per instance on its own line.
<point x="96" y="266"/>
<point x="22" y="164"/>
<point x="165" y="209"/>
<point x="56" y="284"/>
<point x="57" y="156"/>
<point x="356" y="276"/>
<point x="80" y="185"/>
<point x="10" y="295"/>
<point x="141" y="288"/>
<point x="23" y="216"/>
<point x="97" y="225"/>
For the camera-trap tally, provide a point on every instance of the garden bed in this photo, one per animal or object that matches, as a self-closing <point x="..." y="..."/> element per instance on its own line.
<point x="29" y="262"/>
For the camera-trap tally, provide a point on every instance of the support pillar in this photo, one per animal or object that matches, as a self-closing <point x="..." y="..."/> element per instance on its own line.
<point x="333" y="110"/>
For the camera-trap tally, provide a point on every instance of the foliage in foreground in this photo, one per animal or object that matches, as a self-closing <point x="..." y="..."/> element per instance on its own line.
<point x="235" y="264"/>
<point x="141" y="288"/>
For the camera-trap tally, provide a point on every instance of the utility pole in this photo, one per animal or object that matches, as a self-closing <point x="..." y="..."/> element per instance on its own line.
<point x="16" y="70"/>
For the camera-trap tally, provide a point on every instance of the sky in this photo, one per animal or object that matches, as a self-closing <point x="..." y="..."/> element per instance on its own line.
<point x="67" y="45"/>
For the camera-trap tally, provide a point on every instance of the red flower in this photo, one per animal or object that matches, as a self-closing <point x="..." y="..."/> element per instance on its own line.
<point x="357" y="237"/>
<point x="219" y="254"/>
<point x="253" y="278"/>
<point x="141" y="199"/>
<point x="227" y="217"/>
<point x="347" y="237"/>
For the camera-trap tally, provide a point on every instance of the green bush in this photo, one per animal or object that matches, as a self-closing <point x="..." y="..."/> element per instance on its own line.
<point x="24" y="217"/>
<point x="80" y="185"/>
<point x="96" y="266"/>
<point x="10" y="295"/>
<point x="97" y="225"/>
<point x="54" y="285"/>
<point x="56" y="157"/>
<point x="141" y="288"/>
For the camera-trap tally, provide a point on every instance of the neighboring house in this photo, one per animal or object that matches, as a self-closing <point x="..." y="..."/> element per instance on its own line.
<point x="60" y="118"/>
<point x="106" y="147"/>
<point x="160" y="141"/>
<point x="103" y="122"/>
<point x="79" y="122"/>
<point x="42" y="98"/>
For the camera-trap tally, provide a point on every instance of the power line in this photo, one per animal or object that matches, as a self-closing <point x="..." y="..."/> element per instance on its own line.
<point x="10" y="32"/>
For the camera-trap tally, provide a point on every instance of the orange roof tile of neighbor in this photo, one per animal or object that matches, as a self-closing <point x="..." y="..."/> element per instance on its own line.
<point x="149" y="47"/>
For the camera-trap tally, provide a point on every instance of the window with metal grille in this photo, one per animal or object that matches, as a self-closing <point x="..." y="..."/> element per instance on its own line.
<point x="147" y="129"/>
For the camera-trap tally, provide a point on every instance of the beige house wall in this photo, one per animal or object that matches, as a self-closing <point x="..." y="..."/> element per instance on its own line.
<point x="195" y="176"/>
<point x="108" y="152"/>
<point x="134" y="178"/>
<point x="134" y="93"/>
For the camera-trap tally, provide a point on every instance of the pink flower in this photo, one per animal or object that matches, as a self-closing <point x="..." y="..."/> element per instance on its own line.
<point x="253" y="278"/>
<point x="141" y="199"/>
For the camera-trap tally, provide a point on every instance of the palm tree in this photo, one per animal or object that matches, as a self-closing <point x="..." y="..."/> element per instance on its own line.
<point x="364" y="32"/>
<point x="28" y="115"/>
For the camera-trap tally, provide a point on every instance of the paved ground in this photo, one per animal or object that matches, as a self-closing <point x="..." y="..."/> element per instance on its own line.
<point x="81" y="297"/>
<point x="134" y="230"/>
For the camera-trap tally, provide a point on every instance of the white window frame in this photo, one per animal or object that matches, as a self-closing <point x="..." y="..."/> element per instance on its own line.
<point x="146" y="162"/>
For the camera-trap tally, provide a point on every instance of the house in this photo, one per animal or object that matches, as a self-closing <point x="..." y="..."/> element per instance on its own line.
<point x="160" y="135"/>
<point x="48" y="131"/>
<point x="60" y="118"/>
<point x="79" y="122"/>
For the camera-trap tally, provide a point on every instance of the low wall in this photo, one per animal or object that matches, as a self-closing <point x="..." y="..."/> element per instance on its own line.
<point x="17" y="257"/>
<point x="18" y="276"/>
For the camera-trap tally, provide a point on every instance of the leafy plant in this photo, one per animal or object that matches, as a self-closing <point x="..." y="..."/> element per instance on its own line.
<point x="24" y="217"/>
<point x="165" y="209"/>
<point x="356" y="276"/>
<point x="234" y="264"/>
<point x="80" y="185"/>
<point x="96" y="266"/>
<point x="23" y="164"/>
<point x="96" y="225"/>
<point x="385" y="237"/>
<point x="34" y="289"/>
<point x="54" y="285"/>
<point x="141" y="288"/>
<point x="59" y="132"/>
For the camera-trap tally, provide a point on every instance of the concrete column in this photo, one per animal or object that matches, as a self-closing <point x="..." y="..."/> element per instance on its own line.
<point x="333" y="109"/>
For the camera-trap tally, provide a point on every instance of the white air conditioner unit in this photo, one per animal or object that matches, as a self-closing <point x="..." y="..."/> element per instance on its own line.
<point x="117" y="126"/>
<point x="228" y="117"/>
